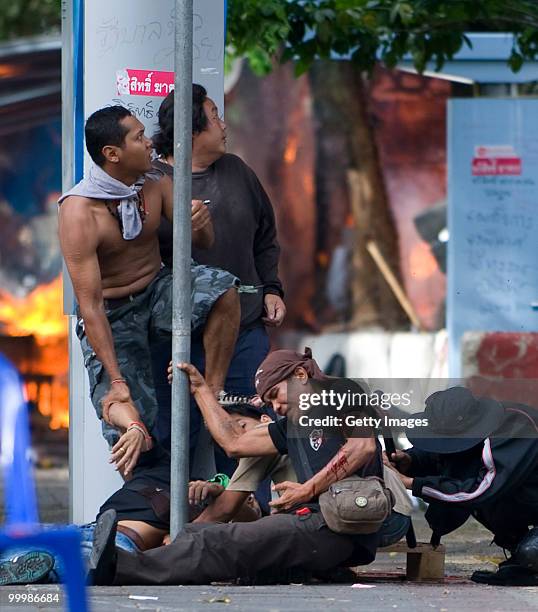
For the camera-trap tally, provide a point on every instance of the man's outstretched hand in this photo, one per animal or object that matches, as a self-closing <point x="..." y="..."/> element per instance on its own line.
<point x="400" y="462"/>
<point x="200" y="490"/>
<point x="196" y="380"/>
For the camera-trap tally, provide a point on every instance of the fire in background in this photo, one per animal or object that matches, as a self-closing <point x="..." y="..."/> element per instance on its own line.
<point x="34" y="336"/>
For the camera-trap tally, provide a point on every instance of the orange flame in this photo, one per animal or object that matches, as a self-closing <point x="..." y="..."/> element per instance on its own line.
<point x="290" y="154"/>
<point x="40" y="315"/>
<point x="422" y="263"/>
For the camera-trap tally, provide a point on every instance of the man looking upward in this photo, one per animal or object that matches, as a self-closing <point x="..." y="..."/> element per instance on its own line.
<point x="245" y="233"/>
<point x="245" y="244"/>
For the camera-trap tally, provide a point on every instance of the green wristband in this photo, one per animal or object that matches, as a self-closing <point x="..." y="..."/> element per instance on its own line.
<point x="221" y="479"/>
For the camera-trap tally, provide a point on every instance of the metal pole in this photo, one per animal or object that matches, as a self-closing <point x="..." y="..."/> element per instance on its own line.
<point x="181" y="322"/>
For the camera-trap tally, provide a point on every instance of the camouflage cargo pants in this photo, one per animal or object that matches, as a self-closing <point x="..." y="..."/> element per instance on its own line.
<point x="145" y="318"/>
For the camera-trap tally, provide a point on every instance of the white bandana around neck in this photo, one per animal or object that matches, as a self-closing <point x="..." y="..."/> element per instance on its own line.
<point x="99" y="185"/>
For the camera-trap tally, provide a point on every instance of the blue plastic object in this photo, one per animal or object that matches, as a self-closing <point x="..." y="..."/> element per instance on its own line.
<point x="21" y="528"/>
<point x="20" y="497"/>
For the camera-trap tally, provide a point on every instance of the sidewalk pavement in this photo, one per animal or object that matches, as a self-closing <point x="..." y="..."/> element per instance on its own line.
<point x="467" y="549"/>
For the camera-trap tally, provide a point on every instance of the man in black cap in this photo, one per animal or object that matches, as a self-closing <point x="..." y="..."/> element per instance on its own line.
<point x="479" y="457"/>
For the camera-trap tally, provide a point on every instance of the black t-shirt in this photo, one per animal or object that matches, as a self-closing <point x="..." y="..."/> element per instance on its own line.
<point x="312" y="447"/>
<point x="245" y="234"/>
<point x="311" y="454"/>
<point x="146" y="496"/>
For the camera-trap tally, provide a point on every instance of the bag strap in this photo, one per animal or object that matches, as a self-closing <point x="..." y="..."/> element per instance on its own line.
<point x="309" y="472"/>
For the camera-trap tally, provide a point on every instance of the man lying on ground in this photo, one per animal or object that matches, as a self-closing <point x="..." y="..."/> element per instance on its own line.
<point x="142" y="507"/>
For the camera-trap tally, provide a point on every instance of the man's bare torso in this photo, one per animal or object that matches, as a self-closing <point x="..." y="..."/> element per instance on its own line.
<point x="126" y="266"/>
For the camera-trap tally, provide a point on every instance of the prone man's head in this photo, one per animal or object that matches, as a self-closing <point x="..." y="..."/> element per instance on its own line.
<point x="247" y="416"/>
<point x="115" y="136"/>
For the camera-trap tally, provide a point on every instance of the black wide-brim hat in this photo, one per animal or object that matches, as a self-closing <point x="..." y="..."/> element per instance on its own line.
<point x="457" y="421"/>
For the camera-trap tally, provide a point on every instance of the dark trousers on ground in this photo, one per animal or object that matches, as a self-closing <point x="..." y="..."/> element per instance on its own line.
<point x="509" y="519"/>
<point x="251" y="551"/>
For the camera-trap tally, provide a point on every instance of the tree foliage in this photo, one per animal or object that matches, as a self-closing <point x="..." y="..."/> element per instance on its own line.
<point x="369" y="30"/>
<point x="19" y="18"/>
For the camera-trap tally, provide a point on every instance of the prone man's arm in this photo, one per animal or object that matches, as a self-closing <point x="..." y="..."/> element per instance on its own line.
<point x="235" y="441"/>
<point x="224" y="507"/>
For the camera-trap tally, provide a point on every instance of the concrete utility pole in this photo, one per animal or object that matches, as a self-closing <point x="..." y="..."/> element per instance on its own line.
<point x="181" y="322"/>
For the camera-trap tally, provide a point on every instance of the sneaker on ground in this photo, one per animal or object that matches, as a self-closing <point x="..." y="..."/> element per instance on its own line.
<point x="29" y="568"/>
<point x="102" y="562"/>
<point x="233" y="399"/>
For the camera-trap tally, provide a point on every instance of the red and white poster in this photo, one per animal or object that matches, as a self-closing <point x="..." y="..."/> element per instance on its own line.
<point x="158" y="83"/>
<point x="129" y="54"/>
<point x="494" y="160"/>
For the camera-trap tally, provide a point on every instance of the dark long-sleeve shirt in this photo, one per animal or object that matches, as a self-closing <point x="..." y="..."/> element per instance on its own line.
<point x="505" y="461"/>
<point x="245" y="232"/>
<point x="496" y="481"/>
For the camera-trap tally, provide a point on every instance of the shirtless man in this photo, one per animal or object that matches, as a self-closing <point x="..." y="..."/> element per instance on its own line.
<point x="108" y="234"/>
